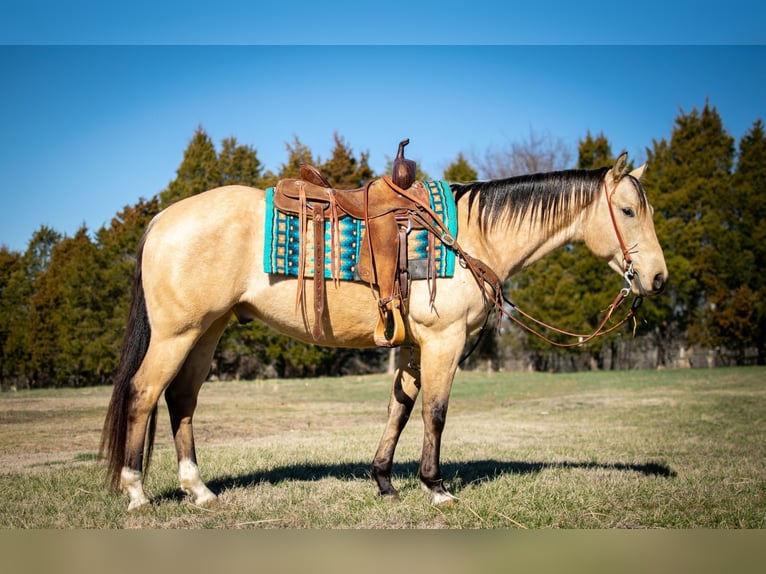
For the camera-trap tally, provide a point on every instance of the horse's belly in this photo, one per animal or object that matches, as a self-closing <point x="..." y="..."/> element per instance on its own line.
<point x="349" y="313"/>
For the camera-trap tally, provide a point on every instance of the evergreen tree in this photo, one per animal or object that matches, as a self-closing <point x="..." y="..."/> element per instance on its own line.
<point x="734" y="282"/>
<point x="10" y="263"/>
<point x="297" y="153"/>
<point x="238" y="164"/>
<point x="343" y="170"/>
<point x="688" y="184"/>
<point x="750" y="189"/>
<point x="198" y="172"/>
<point x="15" y="307"/>
<point x="593" y="153"/>
<point x="118" y="241"/>
<point x="460" y="171"/>
<point x="66" y="316"/>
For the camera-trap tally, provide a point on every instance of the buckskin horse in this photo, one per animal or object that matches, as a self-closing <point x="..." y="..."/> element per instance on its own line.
<point x="200" y="262"/>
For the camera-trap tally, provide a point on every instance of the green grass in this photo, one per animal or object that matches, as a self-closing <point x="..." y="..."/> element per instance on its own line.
<point x="644" y="449"/>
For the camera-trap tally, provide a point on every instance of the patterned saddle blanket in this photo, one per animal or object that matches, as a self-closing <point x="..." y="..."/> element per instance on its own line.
<point x="282" y="241"/>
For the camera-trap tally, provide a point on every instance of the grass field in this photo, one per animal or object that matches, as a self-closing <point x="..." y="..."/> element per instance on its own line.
<point x="642" y="449"/>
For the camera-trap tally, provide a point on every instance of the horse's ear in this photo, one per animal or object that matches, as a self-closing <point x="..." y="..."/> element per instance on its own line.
<point x="638" y="172"/>
<point x="620" y="166"/>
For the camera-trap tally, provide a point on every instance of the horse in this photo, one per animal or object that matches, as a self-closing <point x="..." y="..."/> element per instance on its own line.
<point x="200" y="262"/>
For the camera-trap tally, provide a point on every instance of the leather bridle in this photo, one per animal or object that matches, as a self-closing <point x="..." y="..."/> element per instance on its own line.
<point x="627" y="261"/>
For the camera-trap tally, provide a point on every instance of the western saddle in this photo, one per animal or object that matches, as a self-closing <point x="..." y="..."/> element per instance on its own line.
<point x="389" y="207"/>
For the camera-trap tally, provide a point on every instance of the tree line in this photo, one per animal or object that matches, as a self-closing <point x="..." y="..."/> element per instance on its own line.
<point x="64" y="300"/>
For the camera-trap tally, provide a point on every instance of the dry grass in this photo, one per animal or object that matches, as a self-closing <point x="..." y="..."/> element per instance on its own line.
<point x="666" y="449"/>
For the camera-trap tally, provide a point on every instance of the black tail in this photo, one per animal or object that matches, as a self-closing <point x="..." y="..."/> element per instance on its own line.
<point x="134" y="346"/>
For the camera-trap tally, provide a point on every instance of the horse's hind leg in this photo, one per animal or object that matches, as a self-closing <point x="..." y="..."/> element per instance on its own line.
<point x="181" y="398"/>
<point x="161" y="363"/>
<point x="403" y="394"/>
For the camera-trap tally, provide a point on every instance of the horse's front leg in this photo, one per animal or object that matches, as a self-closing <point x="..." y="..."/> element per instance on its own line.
<point x="403" y="394"/>
<point x="438" y="366"/>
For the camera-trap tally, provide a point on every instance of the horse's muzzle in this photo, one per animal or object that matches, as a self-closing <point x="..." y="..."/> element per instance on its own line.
<point x="641" y="285"/>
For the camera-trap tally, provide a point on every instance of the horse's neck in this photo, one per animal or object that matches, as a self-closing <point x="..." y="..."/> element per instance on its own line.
<point x="508" y="249"/>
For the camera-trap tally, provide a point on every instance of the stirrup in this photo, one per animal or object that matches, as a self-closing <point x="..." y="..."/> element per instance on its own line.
<point x="390" y="330"/>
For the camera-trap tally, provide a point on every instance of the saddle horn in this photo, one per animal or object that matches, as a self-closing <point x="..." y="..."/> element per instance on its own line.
<point x="404" y="170"/>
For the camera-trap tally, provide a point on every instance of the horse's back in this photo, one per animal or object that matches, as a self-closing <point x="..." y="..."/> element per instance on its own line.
<point x="210" y="213"/>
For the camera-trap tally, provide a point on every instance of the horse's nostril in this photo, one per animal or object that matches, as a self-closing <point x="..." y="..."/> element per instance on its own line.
<point x="659" y="282"/>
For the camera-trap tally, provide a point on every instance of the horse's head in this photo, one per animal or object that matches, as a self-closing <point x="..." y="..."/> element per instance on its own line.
<point x="620" y="230"/>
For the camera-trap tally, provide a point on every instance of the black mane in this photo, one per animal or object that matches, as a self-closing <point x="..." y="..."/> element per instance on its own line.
<point x="550" y="198"/>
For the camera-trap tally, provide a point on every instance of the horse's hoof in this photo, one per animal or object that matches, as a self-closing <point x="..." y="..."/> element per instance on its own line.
<point x="140" y="505"/>
<point x="208" y="501"/>
<point x="444" y="499"/>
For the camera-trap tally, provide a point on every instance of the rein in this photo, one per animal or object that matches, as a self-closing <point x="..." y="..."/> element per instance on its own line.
<point x="492" y="286"/>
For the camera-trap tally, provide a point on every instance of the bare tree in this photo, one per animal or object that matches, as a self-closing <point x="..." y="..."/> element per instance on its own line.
<point x="534" y="154"/>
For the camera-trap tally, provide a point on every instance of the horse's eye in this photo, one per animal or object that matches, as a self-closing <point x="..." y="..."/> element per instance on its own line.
<point x="628" y="212"/>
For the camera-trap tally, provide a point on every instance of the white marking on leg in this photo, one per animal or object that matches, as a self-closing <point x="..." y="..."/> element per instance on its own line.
<point x="439" y="498"/>
<point x="131" y="482"/>
<point x="443" y="498"/>
<point x="191" y="483"/>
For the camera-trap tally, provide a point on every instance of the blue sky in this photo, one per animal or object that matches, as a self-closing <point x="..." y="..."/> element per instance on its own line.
<point x="96" y="107"/>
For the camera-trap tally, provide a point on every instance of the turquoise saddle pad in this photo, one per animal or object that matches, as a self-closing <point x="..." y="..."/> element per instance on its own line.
<point x="282" y="240"/>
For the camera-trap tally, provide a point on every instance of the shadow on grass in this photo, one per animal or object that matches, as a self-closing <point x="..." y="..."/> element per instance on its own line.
<point x="456" y="474"/>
